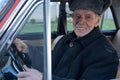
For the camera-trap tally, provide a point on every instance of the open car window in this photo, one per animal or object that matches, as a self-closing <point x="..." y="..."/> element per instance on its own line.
<point x="35" y="22"/>
<point x="107" y="21"/>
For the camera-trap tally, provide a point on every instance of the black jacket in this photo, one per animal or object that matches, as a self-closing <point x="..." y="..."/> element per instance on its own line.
<point x="91" y="57"/>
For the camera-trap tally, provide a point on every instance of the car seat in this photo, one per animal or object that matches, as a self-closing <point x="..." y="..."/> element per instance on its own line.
<point x="116" y="44"/>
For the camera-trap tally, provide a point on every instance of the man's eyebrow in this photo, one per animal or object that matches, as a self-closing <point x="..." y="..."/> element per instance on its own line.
<point x="76" y="14"/>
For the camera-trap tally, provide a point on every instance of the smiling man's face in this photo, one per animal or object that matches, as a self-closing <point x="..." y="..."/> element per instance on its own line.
<point x="84" y="22"/>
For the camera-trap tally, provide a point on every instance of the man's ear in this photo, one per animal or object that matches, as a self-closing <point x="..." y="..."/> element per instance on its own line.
<point x="98" y="20"/>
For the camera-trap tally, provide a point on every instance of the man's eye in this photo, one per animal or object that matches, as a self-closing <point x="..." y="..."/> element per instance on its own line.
<point x="78" y="17"/>
<point x="88" y="17"/>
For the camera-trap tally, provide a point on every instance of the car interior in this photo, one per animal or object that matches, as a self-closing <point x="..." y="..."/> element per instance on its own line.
<point x="61" y="23"/>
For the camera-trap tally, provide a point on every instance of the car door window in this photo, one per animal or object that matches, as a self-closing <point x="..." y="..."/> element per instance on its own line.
<point x="33" y="35"/>
<point x="107" y="21"/>
<point x="35" y="22"/>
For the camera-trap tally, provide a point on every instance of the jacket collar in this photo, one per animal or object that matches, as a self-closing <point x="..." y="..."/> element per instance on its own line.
<point x="87" y="39"/>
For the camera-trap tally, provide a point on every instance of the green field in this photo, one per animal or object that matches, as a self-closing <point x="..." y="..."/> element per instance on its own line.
<point x="108" y="24"/>
<point x="36" y="28"/>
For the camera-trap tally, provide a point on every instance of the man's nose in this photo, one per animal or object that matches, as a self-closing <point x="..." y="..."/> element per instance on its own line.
<point x="82" y="20"/>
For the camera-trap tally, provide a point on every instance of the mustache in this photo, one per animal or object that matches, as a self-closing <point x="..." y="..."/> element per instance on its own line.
<point x="79" y="25"/>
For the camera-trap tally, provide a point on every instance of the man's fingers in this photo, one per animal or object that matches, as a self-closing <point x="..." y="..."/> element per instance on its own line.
<point x="21" y="46"/>
<point x="26" y="68"/>
<point x="30" y="74"/>
<point x="23" y="74"/>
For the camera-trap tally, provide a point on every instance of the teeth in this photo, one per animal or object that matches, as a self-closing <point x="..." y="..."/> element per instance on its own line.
<point x="79" y="27"/>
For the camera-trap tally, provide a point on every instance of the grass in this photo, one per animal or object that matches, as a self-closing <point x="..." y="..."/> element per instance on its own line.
<point x="36" y="28"/>
<point x="108" y="24"/>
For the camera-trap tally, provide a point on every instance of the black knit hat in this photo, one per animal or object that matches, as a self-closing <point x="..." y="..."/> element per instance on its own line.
<point x="97" y="6"/>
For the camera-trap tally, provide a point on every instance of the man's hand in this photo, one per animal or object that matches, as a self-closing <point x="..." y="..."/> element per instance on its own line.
<point x="30" y="74"/>
<point x="20" y="45"/>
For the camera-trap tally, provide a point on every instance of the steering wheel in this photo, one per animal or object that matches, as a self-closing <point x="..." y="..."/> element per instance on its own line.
<point x="14" y="65"/>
